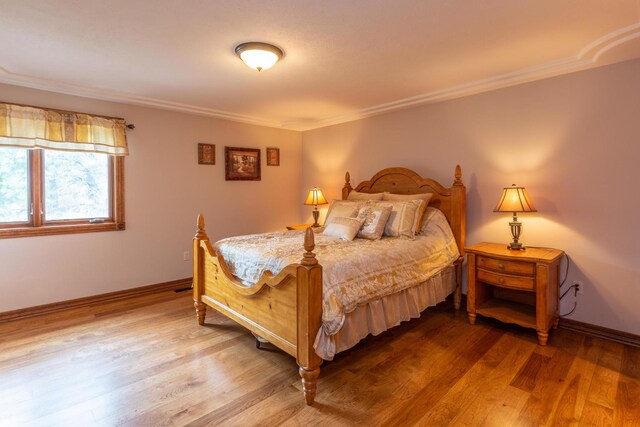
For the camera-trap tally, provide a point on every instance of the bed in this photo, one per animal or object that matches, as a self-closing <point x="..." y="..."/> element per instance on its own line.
<point x="286" y="307"/>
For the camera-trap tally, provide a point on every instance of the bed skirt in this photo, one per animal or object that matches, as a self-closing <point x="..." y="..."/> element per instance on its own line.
<point x="377" y="316"/>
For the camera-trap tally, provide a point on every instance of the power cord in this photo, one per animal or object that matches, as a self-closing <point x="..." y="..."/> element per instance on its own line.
<point x="566" y="270"/>
<point x="575" y="288"/>
<point x="575" y="299"/>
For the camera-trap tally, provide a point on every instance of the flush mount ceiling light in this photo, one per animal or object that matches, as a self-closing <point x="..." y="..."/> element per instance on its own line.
<point x="259" y="56"/>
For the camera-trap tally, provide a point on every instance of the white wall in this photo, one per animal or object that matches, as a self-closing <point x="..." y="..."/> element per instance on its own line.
<point x="572" y="141"/>
<point x="165" y="189"/>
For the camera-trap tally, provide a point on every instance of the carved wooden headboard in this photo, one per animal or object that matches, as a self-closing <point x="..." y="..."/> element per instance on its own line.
<point x="450" y="200"/>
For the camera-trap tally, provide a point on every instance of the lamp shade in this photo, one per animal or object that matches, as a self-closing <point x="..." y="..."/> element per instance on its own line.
<point x="315" y="197"/>
<point x="514" y="199"/>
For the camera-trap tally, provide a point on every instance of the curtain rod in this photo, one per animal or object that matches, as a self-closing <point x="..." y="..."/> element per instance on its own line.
<point x="129" y="126"/>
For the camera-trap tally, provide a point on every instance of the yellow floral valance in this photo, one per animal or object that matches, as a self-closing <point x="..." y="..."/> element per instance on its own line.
<point x="31" y="127"/>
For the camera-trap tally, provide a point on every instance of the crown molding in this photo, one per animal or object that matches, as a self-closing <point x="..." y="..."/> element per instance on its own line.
<point x="588" y="57"/>
<point x="597" y="48"/>
<point x="549" y="69"/>
<point x="16" y="79"/>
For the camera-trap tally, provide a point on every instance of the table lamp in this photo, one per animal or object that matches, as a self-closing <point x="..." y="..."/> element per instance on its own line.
<point x="316" y="198"/>
<point x="515" y="199"/>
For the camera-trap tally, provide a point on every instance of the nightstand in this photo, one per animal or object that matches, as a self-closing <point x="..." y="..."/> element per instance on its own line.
<point x="299" y="227"/>
<point x="518" y="287"/>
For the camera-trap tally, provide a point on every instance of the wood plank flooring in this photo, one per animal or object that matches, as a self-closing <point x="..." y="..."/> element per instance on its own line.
<point x="146" y="362"/>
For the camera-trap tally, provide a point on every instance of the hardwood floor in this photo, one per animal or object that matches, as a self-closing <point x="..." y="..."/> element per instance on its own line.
<point x="145" y="362"/>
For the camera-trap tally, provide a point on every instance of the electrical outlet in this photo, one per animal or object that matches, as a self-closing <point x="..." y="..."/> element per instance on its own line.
<point x="186" y="255"/>
<point x="579" y="286"/>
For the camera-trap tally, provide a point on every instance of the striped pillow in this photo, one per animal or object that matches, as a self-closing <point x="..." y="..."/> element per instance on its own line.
<point x="402" y="218"/>
<point x="421" y="210"/>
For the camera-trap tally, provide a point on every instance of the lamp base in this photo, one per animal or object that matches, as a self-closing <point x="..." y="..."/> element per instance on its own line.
<point x="316" y="214"/>
<point x="516" y="246"/>
<point x="516" y="228"/>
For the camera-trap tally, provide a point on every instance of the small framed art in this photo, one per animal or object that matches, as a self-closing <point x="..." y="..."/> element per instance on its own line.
<point x="273" y="156"/>
<point x="242" y="164"/>
<point x="206" y="154"/>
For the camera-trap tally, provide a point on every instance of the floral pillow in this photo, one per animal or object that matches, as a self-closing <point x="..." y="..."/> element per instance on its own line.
<point x="374" y="219"/>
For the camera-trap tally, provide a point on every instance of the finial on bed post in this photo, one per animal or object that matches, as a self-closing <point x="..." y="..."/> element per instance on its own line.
<point x="201" y="234"/>
<point x="347" y="186"/>
<point x="458" y="175"/>
<point x="309" y="258"/>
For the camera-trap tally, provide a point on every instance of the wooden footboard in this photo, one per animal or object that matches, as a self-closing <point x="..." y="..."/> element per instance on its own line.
<point x="285" y="309"/>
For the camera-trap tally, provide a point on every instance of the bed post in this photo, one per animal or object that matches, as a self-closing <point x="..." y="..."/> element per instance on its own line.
<point x="459" y="226"/>
<point x="198" y="271"/>
<point x="309" y="306"/>
<point x="347" y="186"/>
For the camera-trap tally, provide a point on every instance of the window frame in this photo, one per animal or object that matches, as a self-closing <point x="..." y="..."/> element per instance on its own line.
<point x="36" y="225"/>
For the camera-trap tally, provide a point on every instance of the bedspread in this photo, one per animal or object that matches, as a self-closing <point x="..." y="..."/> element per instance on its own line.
<point x="355" y="272"/>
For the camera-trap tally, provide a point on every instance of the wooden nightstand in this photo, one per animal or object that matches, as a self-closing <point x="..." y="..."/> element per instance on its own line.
<point x="299" y="227"/>
<point x="518" y="287"/>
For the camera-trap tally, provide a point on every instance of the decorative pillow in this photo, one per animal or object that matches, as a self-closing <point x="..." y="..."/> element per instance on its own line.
<point x="356" y="195"/>
<point x="402" y="218"/>
<point x="374" y="219"/>
<point x="343" y="227"/>
<point x="348" y="208"/>
<point x="421" y="210"/>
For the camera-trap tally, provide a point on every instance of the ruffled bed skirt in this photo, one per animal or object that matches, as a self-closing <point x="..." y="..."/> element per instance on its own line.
<point x="377" y="316"/>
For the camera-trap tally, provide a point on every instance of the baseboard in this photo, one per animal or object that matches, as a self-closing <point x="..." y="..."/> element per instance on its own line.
<point x="24" y="313"/>
<point x="591" y="330"/>
<point x="600" y="332"/>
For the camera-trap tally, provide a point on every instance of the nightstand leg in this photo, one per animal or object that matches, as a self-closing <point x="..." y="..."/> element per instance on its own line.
<point x="472" y="318"/>
<point x="543" y="336"/>
<point x="555" y="324"/>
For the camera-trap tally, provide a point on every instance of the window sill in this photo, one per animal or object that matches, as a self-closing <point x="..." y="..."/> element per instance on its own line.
<point x="50" y="230"/>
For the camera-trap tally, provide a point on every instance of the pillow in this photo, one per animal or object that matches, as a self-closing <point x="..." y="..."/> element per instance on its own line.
<point x="402" y="218"/>
<point x="343" y="227"/>
<point x="423" y="207"/>
<point x="356" y="195"/>
<point x="374" y="219"/>
<point x="337" y="208"/>
<point x="433" y="215"/>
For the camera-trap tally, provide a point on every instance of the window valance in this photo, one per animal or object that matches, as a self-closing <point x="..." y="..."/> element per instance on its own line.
<point x="31" y="127"/>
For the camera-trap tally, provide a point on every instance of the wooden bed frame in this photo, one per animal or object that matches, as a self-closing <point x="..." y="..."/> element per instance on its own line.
<point x="272" y="307"/>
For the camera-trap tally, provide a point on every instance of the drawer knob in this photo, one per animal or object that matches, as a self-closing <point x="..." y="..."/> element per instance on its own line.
<point x="501" y="280"/>
<point x="501" y="265"/>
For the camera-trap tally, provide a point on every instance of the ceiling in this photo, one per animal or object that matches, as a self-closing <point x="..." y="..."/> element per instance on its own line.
<point x="344" y="60"/>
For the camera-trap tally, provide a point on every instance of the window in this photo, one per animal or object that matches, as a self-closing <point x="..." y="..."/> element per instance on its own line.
<point x="56" y="192"/>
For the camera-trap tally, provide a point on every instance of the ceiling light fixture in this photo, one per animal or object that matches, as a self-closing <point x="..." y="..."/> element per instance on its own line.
<point x="259" y="56"/>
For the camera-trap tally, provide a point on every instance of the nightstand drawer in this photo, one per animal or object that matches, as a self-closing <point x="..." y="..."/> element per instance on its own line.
<point x="505" y="280"/>
<point x="525" y="268"/>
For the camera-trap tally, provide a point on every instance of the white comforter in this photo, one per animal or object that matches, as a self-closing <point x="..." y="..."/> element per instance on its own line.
<point x="355" y="272"/>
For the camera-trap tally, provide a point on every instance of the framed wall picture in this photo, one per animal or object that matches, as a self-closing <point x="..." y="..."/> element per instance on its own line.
<point x="206" y="154"/>
<point x="242" y="164"/>
<point x="273" y="156"/>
